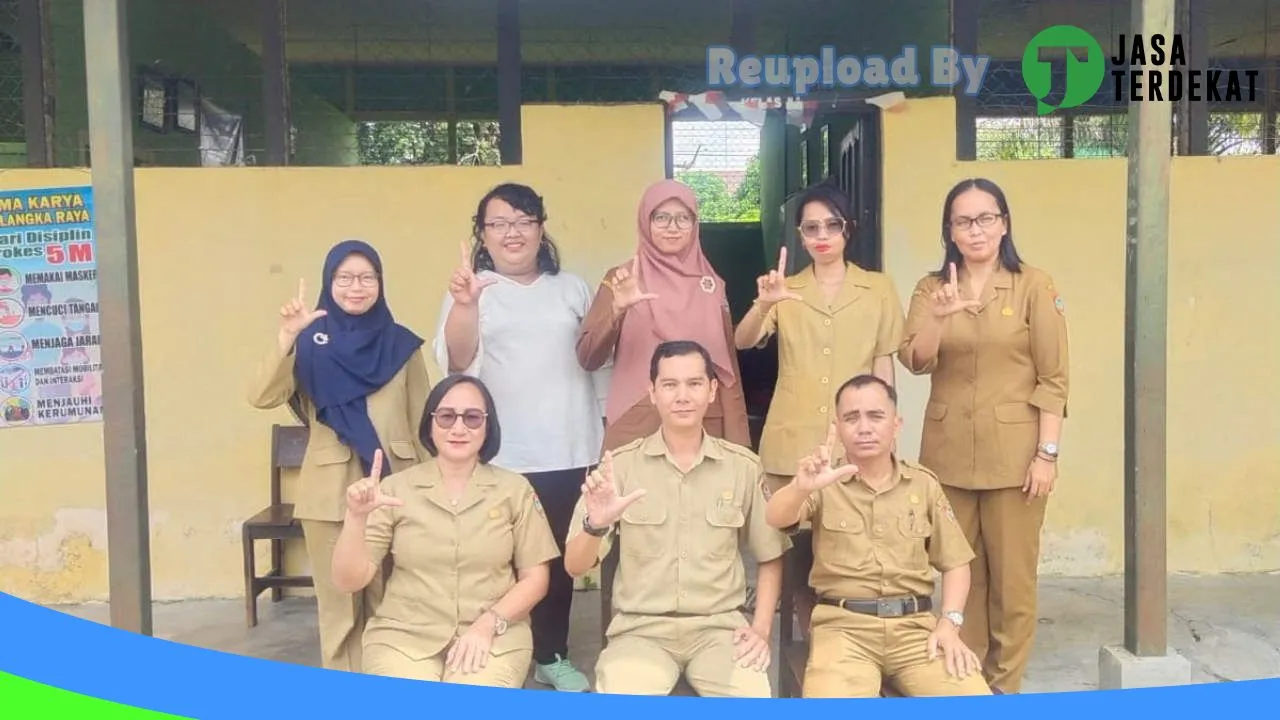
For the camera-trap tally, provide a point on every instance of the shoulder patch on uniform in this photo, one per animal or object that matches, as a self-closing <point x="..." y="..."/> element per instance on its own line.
<point x="920" y="469"/>
<point x="736" y="449"/>
<point x="629" y="447"/>
<point x="944" y="507"/>
<point x="1059" y="305"/>
<point x="537" y="506"/>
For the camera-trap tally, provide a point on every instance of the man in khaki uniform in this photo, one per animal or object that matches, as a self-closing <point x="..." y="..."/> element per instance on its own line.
<point x="880" y="527"/>
<point x="681" y="502"/>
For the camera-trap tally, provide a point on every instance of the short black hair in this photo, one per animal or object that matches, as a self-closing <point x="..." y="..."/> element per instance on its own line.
<point x="679" y="348"/>
<point x="492" y="429"/>
<point x="527" y="201"/>
<point x="865" y="380"/>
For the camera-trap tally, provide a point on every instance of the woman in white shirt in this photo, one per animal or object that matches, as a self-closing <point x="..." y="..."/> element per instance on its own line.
<point x="511" y="318"/>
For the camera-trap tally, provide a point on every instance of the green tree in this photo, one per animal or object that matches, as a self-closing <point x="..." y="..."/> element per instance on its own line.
<point x="425" y="142"/>
<point x="716" y="203"/>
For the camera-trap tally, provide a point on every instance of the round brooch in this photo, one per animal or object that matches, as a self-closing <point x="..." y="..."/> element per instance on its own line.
<point x="708" y="284"/>
<point x="320" y="339"/>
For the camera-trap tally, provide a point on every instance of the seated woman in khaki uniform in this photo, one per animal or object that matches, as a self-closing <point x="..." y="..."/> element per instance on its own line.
<point x="668" y="291"/>
<point x="470" y="544"/>
<point x="361" y="381"/>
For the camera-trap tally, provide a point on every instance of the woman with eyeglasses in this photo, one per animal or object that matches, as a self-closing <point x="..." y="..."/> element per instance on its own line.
<point x="361" y="382"/>
<point x="991" y="333"/>
<point x="511" y="318"/>
<point x="833" y="321"/>
<point x="470" y="547"/>
<point x="667" y="291"/>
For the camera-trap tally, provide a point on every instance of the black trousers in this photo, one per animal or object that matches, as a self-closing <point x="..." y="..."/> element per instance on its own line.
<point x="558" y="490"/>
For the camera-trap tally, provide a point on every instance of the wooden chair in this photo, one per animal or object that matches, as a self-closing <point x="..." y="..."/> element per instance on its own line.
<point x="275" y="523"/>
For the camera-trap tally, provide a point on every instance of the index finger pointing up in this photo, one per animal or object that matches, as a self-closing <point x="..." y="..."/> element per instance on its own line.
<point x="375" y="470"/>
<point x="952" y="268"/>
<point x="466" y="253"/>
<point x="302" y="290"/>
<point x="782" y="261"/>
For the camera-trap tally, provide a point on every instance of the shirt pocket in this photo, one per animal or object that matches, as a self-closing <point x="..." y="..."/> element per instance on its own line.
<point x="643" y="529"/>
<point x="724" y="524"/>
<point x="914" y="529"/>
<point x="843" y="543"/>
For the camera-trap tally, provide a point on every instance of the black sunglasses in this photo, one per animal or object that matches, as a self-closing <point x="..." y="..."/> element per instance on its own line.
<point x="447" y="418"/>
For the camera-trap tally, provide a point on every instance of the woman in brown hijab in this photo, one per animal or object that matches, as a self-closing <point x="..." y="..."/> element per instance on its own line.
<point x="667" y="291"/>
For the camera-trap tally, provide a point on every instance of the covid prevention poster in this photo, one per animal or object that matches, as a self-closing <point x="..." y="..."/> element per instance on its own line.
<point x="50" y="346"/>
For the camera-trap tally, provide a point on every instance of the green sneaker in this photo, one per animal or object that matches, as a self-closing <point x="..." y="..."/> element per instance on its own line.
<point x="562" y="676"/>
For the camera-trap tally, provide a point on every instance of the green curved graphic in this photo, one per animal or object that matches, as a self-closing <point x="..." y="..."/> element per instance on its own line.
<point x="1084" y="74"/>
<point x="22" y="699"/>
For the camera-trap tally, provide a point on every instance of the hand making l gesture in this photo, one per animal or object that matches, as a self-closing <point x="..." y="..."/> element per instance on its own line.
<point x="771" y="287"/>
<point x="364" y="496"/>
<point x="947" y="300"/>
<point x="626" y="289"/>
<point x="604" y="505"/>
<point x="815" y="471"/>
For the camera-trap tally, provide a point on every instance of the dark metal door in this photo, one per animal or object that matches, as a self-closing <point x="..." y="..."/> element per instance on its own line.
<point x="859" y="174"/>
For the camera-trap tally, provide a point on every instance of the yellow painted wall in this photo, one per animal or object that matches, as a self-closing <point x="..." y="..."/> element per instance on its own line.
<point x="1224" y="271"/>
<point x="219" y="251"/>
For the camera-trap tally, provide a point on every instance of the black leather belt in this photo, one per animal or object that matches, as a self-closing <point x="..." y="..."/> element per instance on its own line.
<point x="884" y="607"/>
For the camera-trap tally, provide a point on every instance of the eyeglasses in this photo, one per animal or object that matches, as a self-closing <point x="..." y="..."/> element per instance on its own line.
<point x="664" y="220"/>
<point x="814" y="228"/>
<point x="347" y="279"/>
<point x="502" y="227"/>
<point x="447" y="418"/>
<point x="984" y="220"/>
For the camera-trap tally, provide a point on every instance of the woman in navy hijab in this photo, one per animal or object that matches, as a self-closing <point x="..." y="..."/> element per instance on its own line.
<point x="360" y="382"/>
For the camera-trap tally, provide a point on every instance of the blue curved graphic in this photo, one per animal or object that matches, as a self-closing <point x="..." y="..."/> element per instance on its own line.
<point x="62" y="651"/>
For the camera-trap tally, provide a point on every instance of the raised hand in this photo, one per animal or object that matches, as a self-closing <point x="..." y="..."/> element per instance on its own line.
<point x="604" y="505"/>
<point x="365" y="495"/>
<point x="464" y="286"/>
<point x="626" y="289"/>
<point x="815" y="471"/>
<point x="947" y="300"/>
<point x="771" y="287"/>
<point x="294" y="315"/>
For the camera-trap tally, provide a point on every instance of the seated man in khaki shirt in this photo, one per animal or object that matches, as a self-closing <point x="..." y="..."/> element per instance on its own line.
<point x="880" y="527"/>
<point x="680" y="502"/>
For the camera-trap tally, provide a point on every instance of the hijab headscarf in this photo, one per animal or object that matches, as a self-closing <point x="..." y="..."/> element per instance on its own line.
<point x="344" y="358"/>
<point x="690" y="305"/>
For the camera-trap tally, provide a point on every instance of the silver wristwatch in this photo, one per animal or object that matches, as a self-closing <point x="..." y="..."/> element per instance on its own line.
<point x="956" y="618"/>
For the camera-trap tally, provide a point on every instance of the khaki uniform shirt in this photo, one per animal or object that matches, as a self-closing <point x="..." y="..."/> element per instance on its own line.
<point x="597" y="340"/>
<point x="453" y="561"/>
<point x="329" y="466"/>
<point x="819" y="347"/>
<point x="997" y="367"/>
<point x="680" y="542"/>
<point x="869" y="544"/>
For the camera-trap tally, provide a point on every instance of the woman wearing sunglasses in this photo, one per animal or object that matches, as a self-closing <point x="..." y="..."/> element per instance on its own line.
<point x="360" y="380"/>
<point x="470" y="546"/>
<point x="833" y="320"/>
<point x="668" y="291"/>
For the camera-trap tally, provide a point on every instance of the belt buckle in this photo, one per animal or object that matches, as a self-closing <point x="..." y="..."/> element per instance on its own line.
<point x="889" y="608"/>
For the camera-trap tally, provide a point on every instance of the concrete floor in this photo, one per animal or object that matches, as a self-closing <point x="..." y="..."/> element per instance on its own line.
<point x="1228" y="626"/>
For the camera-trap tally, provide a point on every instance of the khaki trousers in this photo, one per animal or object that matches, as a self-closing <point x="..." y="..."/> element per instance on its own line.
<point x="341" y="615"/>
<point x="1000" y="614"/>
<point x="852" y="655"/>
<point x="646" y="655"/>
<point x="507" y="670"/>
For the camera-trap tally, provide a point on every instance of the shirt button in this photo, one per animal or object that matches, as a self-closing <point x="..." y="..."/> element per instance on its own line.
<point x="683" y="593"/>
<point x="826" y="351"/>
<point x="843" y="523"/>
<point x="879" y="529"/>
<point x="827" y="322"/>
<point x="825" y="381"/>
<point x="684" y="555"/>
<point x="822" y="409"/>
